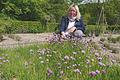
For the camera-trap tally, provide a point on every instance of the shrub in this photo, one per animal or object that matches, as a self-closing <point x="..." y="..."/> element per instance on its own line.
<point x="27" y="27"/>
<point x="114" y="28"/>
<point x="95" y="29"/>
<point x="1" y="33"/>
<point x="4" y="17"/>
<point x="23" y="27"/>
<point x="53" y="27"/>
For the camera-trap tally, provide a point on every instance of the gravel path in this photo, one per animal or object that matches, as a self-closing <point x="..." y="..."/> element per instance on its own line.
<point x="25" y="39"/>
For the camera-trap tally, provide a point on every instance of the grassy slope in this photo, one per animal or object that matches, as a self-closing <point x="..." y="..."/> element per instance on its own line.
<point x="32" y="62"/>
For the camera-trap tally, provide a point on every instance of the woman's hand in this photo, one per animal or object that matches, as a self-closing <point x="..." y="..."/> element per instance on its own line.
<point x="63" y="34"/>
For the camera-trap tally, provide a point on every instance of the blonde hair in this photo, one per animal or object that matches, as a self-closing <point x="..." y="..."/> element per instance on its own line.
<point x="78" y="16"/>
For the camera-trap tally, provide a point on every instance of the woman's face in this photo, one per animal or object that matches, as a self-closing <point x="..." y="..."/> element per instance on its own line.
<point x="72" y="12"/>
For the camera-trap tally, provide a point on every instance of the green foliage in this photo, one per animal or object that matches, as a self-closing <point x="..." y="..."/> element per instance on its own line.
<point x="87" y="17"/>
<point x="95" y="29"/>
<point x="4" y="17"/>
<point x="8" y="26"/>
<point x="51" y="11"/>
<point x="34" y="9"/>
<point x="1" y="32"/>
<point x="114" y="28"/>
<point x="114" y="40"/>
<point x="23" y="27"/>
<point x="52" y="27"/>
<point x="112" y="12"/>
<point x="1" y="37"/>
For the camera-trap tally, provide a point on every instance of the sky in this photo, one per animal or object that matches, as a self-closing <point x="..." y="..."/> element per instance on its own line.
<point x="91" y="1"/>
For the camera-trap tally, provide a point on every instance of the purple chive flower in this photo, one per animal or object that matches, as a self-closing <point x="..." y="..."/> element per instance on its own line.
<point x="103" y="72"/>
<point x="99" y="58"/>
<point x="97" y="54"/>
<point x="101" y="64"/>
<point x="1" y="58"/>
<point x="49" y="72"/>
<point x="55" y="38"/>
<point x="110" y="55"/>
<point x="110" y="51"/>
<point x="66" y="58"/>
<point x="113" y="61"/>
<point x="97" y="71"/>
<point x="77" y="71"/>
<point x="92" y="73"/>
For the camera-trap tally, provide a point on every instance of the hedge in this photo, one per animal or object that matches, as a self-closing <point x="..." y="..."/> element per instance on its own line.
<point x="10" y="26"/>
<point x="27" y="27"/>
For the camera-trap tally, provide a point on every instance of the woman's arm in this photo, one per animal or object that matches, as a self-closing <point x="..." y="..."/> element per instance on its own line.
<point x="62" y="24"/>
<point x="80" y="25"/>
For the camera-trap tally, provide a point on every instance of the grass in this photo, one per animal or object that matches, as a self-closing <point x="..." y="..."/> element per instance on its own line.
<point x="15" y="37"/>
<point x="69" y="60"/>
<point x="114" y="40"/>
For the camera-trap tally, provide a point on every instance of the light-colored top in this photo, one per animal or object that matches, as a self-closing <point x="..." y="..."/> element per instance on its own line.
<point x="70" y="24"/>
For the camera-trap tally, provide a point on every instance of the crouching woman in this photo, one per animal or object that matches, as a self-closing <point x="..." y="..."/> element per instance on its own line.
<point x="72" y="23"/>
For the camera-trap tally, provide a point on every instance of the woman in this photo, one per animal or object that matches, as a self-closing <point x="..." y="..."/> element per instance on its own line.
<point x="72" y="23"/>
